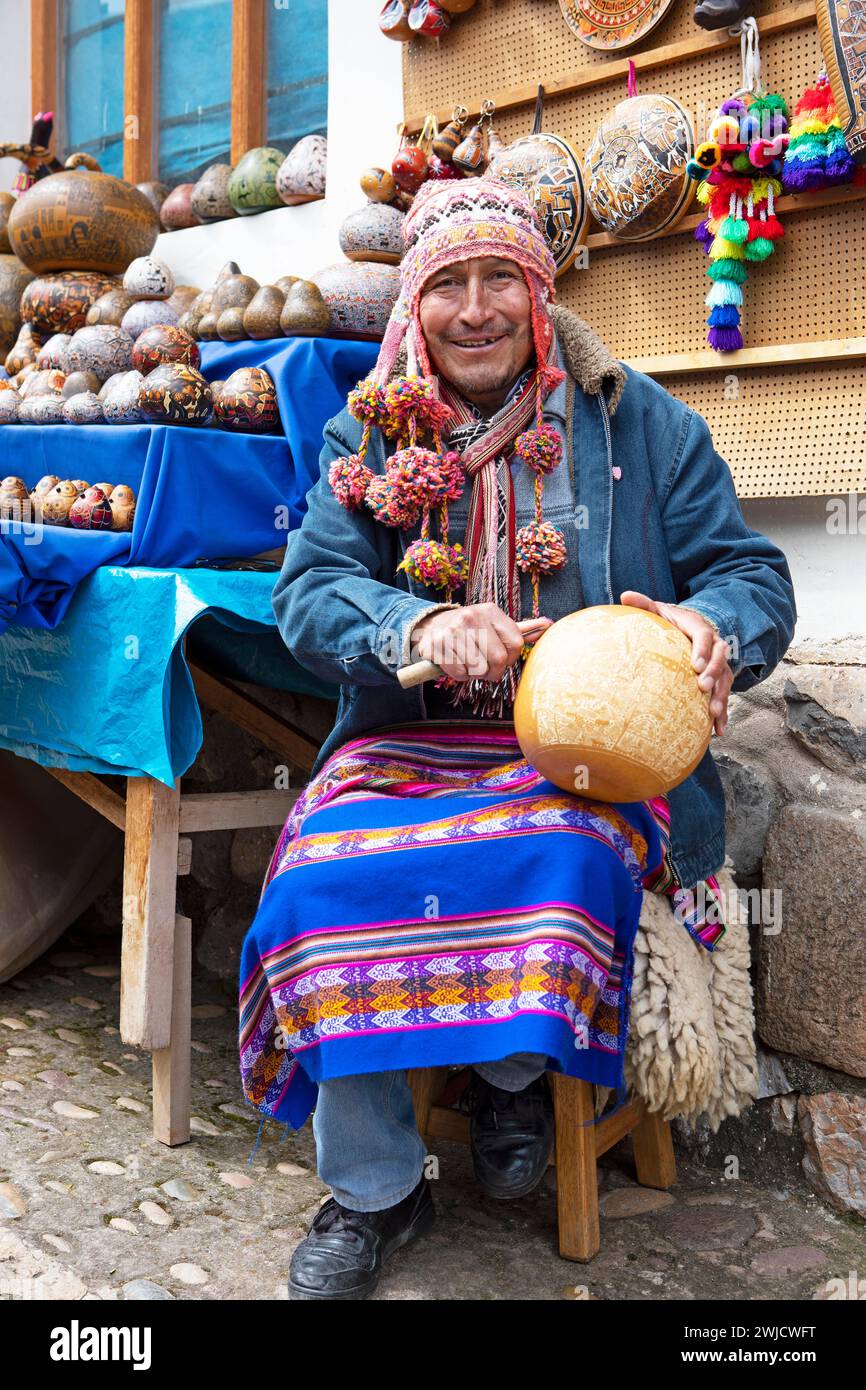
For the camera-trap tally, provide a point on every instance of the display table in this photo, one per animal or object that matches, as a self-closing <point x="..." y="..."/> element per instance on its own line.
<point x="202" y="491"/>
<point x="94" y="677"/>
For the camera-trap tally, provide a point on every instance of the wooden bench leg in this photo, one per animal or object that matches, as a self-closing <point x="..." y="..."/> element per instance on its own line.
<point x="149" y="906"/>
<point x="426" y="1084"/>
<point x="576" y="1175"/>
<point x="654" y="1151"/>
<point x="171" y="1065"/>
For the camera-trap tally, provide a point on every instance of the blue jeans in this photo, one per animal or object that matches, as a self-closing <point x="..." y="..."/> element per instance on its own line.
<point x="368" y="1148"/>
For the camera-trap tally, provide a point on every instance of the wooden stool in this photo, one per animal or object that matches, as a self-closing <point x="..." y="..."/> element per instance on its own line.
<point x="578" y="1146"/>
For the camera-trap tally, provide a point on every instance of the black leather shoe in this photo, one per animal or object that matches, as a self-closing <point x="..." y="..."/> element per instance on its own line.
<point x="510" y="1135"/>
<point x="343" y="1254"/>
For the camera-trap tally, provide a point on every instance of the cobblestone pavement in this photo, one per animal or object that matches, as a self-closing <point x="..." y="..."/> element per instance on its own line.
<point x="92" y="1207"/>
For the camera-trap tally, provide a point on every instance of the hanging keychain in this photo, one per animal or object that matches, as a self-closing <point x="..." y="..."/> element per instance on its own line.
<point x="494" y="144"/>
<point x="446" y="142"/>
<point x="470" y="155"/>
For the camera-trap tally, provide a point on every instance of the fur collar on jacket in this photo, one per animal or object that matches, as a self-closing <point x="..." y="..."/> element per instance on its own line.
<point x="587" y="359"/>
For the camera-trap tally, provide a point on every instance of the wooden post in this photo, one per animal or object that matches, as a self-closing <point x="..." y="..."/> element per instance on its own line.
<point x="138" y="91"/>
<point x="149" y="889"/>
<point x="426" y="1085"/>
<point x="171" y="1065"/>
<point x="576" y="1172"/>
<point x="654" y="1157"/>
<point x="43" y="66"/>
<point x="249" y="76"/>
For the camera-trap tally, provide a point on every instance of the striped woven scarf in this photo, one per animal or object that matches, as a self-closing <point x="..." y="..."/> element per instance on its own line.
<point x="490" y="542"/>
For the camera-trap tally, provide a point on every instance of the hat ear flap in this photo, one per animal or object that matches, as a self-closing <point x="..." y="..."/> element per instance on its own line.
<point x="395" y="333"/>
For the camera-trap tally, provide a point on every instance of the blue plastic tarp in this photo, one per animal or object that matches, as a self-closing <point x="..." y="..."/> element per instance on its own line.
<point x="109" y="689"/>
<point x="201" y="491"/>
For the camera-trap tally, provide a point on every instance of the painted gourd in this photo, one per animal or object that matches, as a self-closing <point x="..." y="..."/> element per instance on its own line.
<point x="122" y="500"/>
<point x="301" y="176"/>
<point x="146" y="313"/>
<point x="91" y="511"/>
<point x="176" y="212"/>
<point x="360" y="296"/>
<point x="247" y="402"/>
<point x="164" y="343"/>
<point x="262" y="314"/>
<point x="210" y="197"/>
<point x="305" y="312"/>
<point x="253" y="185"/>
<point x="100" y="348"/>
<point x="109" y="308"/>
<point x="57" y="502"/>
<point x="147" y="278"/>
<point x="52" y="354"/>
<point x="120" y="402"/>
<point x="82" y="220"/>
<point x="85" y="408"/>
<point x="14" y="278"/>
<point x="60" y="303"/>
<point x="175" y="394"/>
<point x="373" y="233"/>
<point x="635" y="167"/>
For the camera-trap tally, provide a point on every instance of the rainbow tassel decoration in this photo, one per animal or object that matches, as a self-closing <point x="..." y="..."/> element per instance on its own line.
<point x="806" y="156"/>
<point x="738" y="170"/>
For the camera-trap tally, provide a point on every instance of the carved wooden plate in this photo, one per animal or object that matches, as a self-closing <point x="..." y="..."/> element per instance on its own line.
<point x="612" y="24"/>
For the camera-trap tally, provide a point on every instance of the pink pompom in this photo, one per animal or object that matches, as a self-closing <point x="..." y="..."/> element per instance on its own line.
<point x="367" y="404"/>
<point x="433" y="563"/>
<point x="391" y="505"/>
<point x="540" y="449"/>
<point x="412" y="398"/>
<point x="426" y="477"/>
<point x="540" y="548"/>
<point x="349" y="479"/>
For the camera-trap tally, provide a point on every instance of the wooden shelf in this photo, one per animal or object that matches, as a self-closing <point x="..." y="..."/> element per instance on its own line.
<point x="794" y="17"/>
<point x="787" y="204"/>
<point x="769" y="355"/>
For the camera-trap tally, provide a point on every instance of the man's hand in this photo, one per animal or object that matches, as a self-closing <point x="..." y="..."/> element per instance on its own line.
<point x="476" y="641"/>
<point x="709" y="652"/>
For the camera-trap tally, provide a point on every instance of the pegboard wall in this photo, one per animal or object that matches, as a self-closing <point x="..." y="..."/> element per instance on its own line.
<point x="788" y="412"/>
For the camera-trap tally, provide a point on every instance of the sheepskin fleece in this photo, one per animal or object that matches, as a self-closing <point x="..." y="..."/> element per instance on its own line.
<point x="691" y="1048"/>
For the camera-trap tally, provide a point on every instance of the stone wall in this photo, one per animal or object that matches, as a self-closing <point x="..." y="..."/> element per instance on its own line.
<point x="793" y="762"/>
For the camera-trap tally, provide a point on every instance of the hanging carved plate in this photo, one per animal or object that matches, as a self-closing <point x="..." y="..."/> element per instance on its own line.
<point x="609" y="24"/>
<point x="635" y="167"/>
<point x="547" y="170"/>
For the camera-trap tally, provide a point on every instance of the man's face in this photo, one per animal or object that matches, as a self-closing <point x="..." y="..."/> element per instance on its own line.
<point x="475" y="317"/>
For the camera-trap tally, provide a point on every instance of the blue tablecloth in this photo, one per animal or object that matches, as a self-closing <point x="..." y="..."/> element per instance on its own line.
<point x="201" y="491"/>
<point x="109" y="689"/>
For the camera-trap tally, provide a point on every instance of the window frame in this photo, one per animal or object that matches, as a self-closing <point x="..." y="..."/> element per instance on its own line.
<point x="140" y="163"/>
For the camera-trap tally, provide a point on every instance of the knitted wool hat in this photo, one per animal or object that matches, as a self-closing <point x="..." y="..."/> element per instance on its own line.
<point x="451" y="221"/>
<point x="459" y="220"/>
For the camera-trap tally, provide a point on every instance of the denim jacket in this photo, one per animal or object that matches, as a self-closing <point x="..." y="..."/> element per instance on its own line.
<point x="667" y="522"/>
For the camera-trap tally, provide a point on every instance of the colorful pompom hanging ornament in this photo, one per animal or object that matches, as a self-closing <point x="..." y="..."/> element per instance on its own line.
<point x="739" y="180"/>
<point x="435" y="563"/>
<point x="349" y="478"/>
<point x="540" y="449"/>
<point x="416" y="478"/>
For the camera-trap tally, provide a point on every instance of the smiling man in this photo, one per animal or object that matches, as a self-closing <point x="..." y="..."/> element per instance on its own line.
<point x="432" y="900"/>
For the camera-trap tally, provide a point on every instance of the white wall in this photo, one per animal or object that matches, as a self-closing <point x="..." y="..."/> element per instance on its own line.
<point x="16" y="117"/>
<point x="828" y="565"/>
